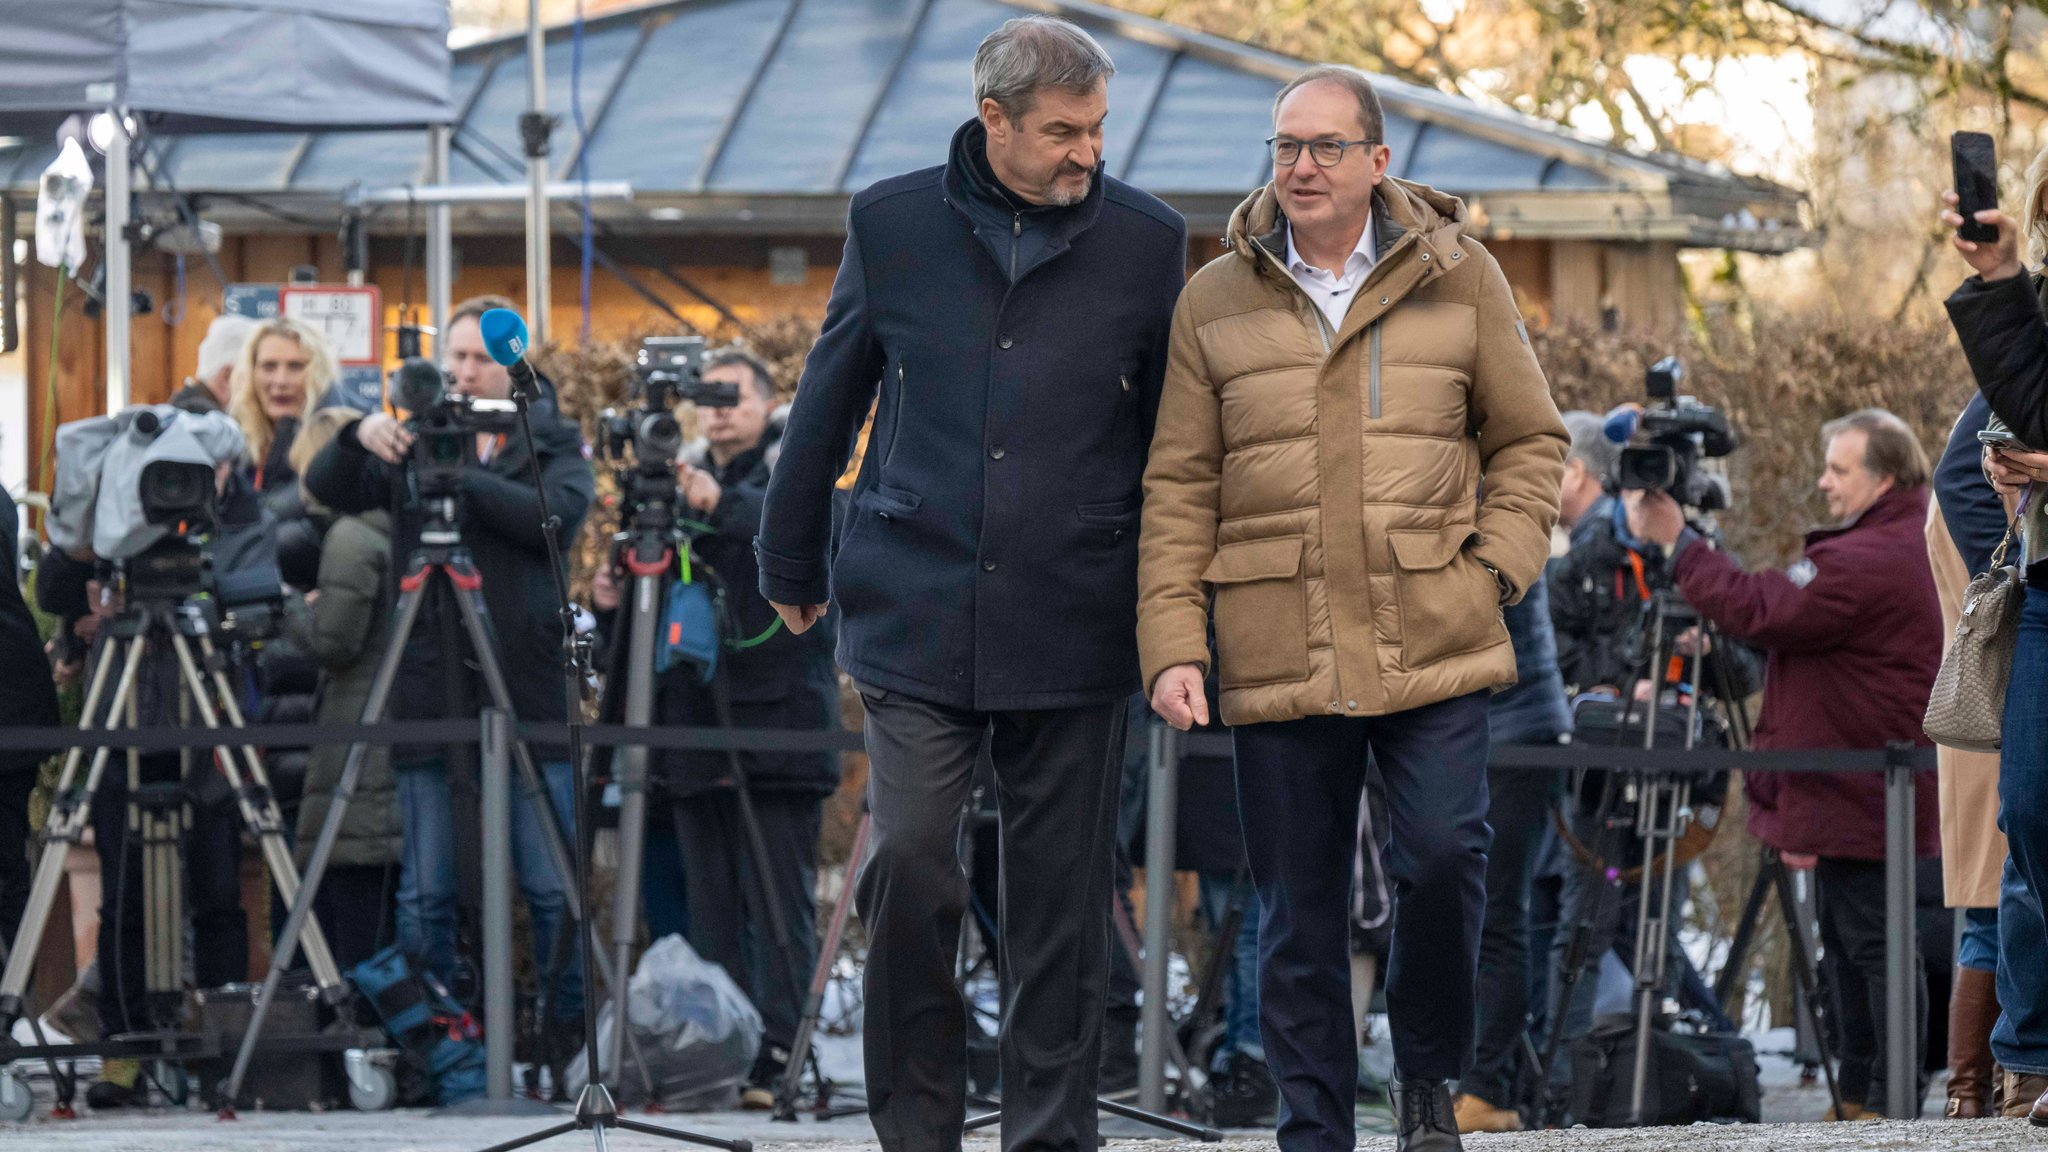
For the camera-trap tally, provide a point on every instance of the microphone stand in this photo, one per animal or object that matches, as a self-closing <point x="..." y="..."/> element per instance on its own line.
<point x="595" y="1110"/>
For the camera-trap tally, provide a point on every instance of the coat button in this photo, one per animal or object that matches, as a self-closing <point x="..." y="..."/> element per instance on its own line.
<point x="988" y="565"/>
<point x="1005" y="342"/>
<point x="1351" y="704"/>
<point x="996" y="453"/>
<point x="1383" y="300"/>
<point x="1425" y="257"/>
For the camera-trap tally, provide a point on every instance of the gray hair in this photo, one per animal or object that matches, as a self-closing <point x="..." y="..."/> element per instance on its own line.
<point x="1590" y="445"/>
<point x="1355" y="82"/>
<point x="1033" y="52"/>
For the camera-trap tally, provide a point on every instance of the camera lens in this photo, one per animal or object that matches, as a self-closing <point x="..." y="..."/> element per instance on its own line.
<point x="176" y="490"/>
<point x="418" y="385"/>
<point x="659" y="434"/>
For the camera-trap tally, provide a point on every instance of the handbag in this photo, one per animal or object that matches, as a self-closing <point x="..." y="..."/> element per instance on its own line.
<point x="1966" y="710"/>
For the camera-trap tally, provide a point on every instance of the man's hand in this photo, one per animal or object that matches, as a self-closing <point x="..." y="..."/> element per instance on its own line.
<point x="1692" y="642"/>
<point x="798" y="618"/>
<point x="383" y="437"/>
<point x="2010" y="469"/>
<point x="700" y="491"/>
<point x="1654" y="517"/>
<point x="1178" y="697"/>
<point x="1995" y="261"/>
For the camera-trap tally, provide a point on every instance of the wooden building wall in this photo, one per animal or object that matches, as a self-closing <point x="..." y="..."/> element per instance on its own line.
<point x="1553" y="281"/>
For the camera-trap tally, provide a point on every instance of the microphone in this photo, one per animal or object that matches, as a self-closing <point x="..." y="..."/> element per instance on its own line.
<point x="505" y="339"/>
<point x="1621" y="424"/>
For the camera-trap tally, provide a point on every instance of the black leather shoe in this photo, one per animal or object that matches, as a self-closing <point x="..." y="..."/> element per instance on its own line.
<point x="1424" y="1118"/>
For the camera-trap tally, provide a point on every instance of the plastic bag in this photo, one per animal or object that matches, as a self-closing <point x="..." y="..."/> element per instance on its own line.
<point x="697" y="1031"/>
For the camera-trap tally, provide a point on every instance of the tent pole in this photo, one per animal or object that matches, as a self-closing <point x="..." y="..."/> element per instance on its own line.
<point x="115" y="256"/>
<point x="440" y="244"/>
<point x="534" y="129"/>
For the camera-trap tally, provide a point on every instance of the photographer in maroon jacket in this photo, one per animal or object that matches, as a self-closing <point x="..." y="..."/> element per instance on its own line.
<point x="1853" y="637"/>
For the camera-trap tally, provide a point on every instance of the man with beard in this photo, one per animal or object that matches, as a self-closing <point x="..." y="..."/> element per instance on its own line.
<point x="1011" y="308"/>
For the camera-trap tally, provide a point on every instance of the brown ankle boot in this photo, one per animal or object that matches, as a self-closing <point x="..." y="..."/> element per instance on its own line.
<point x="1972" y="1010"/>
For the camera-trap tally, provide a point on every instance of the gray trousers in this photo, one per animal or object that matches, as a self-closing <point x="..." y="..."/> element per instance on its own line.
<point x="1057" y="778"/>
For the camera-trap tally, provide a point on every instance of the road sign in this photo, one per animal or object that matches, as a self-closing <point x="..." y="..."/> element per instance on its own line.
<point x="351" y="318"/>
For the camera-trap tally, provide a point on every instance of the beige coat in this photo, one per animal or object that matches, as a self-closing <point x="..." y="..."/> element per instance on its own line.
<point x="1324" y="485"/>
<point x="1972" y="847"/>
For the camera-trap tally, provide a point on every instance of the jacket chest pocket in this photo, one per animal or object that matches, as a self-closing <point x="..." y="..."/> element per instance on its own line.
<point x="1449" y="602"/>
<point x="1261" y="611"/>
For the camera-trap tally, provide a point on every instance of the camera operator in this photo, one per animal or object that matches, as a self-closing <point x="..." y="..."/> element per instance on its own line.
<point x="72" y="586"/>
<point x="29" y="702"/>
<point x="1853" y="638"/>
<point x="786" y="682"/>
<point x="211" y="386"/>
<point x="366" y="468"/>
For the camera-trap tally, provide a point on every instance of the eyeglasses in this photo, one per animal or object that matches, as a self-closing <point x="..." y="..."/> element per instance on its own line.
<point x="1326" y="153"/>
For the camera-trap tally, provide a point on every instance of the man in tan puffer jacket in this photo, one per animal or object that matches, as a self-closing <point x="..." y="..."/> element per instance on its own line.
<point x="1318" y="465"/>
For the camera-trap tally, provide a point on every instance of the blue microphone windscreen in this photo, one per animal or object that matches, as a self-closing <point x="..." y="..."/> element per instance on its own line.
<point x="1620" y="426"/>
<point x="504" y="334"/>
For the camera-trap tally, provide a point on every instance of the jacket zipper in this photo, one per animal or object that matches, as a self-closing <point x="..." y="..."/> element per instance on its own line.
<point x="1373" y="391"/>
<point x="1016" y="235"/>
<point x="896" y="420"/>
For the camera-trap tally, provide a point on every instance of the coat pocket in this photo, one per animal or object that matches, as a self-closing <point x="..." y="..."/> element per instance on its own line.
<point x="1261" y="611"/>
<point x="1449" y="602"/>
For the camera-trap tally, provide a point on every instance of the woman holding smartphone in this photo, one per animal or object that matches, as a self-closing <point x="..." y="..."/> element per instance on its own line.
<point x="1998" y="316"/>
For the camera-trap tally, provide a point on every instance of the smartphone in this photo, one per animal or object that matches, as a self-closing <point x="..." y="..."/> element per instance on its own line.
<point x="1976" y="175"/>
<point x="2001" y="438"/>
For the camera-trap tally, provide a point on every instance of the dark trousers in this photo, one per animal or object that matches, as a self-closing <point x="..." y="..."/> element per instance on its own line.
<point x="1298" y="788"/>
<point x="15" y="872"/>
<point x="1057" y="774"/>
<point x="1851" y="901"/>
<point x="356" y="907"/>
<point x="213" y="890"/>
<point x="1518" y="811"/>
<point x="727" y="923"/>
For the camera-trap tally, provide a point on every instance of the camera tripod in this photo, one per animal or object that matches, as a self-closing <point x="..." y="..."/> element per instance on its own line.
<point x="647" y="548"/>
<point x="159" y="813"/>
<point x="441" y="554"/>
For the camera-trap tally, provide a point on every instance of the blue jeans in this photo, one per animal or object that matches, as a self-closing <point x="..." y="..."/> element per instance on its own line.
<point x="1979" y="946"/>
<point x="427" y="885"/>
<point x="2020" y="1038"/>
<point x="1241" y="989"/>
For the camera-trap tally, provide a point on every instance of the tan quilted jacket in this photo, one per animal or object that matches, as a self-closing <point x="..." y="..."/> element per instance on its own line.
<point x="1325" y="486"/>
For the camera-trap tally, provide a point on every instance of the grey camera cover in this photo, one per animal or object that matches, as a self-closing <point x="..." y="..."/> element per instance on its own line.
<point x="97" y="504"/>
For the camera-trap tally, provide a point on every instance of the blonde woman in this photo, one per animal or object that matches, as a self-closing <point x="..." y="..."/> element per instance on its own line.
<point x="283" y="372"/>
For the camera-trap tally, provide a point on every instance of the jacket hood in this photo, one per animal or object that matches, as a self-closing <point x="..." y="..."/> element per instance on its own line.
<point x="1399" y="207"/>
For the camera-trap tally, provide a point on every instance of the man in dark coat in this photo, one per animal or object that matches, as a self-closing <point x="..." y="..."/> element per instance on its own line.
<point x="29" y="702"/>
<point x="363" y="468"/>
<point x="783" y="682"/>
<point x="1013" y="307"/>
<point x="1853" y="639"/>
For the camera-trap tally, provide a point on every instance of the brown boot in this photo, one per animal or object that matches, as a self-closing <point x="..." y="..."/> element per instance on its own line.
<point x="2021" y="1092"/>
<point x="1972" y="1010"/>
<point x="2038" y="1114"/>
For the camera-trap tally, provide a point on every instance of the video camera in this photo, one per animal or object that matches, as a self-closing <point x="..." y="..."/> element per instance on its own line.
<point x="445" y="424"/>
<point x="666" y="370"/>
<point x="1680" y="432"/>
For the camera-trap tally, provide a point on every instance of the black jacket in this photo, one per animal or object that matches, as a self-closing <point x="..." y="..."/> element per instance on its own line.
<point x="990" y="558"/>
<point x="501" y="525"/>
<point x="30" y="700"/>
<point x="785" y="682"/>
<point x="1969" y="505"/>
<point x="2006" y="342"/>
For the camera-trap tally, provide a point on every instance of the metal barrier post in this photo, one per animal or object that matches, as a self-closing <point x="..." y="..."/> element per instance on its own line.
<point x="1163" y="795"/>
<point x="499" y="1020"/>
<point x="1902" y="1080"/>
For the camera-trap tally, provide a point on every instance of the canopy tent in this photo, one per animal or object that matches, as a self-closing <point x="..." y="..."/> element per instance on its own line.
<point x="226" y="64"/>
<point x="210" y="65"/>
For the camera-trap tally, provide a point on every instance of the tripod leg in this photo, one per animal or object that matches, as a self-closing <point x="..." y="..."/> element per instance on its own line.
<point x="821" y="978"/>
<point x="1803" y="972"/>
<point x="1733" y="967"/>
<point x="258" y="808"/>
<point x="411" y="593"/>
<point x="69" y="814"/>
<point x="632" y="801"/>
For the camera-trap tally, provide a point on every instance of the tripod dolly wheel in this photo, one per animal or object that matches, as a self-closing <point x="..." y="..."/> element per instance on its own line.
<point x="373" y="1089"/>
<point x="16" y="1100"/>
